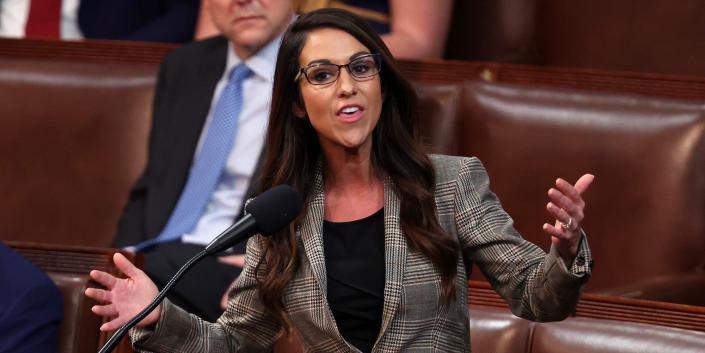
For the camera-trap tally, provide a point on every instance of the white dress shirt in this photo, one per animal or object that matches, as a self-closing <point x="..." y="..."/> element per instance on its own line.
<point x="230" y="192"/>
<point x="14" y="14"/>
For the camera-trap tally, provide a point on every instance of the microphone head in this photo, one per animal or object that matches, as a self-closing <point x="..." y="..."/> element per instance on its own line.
<point x="275" y="208"/>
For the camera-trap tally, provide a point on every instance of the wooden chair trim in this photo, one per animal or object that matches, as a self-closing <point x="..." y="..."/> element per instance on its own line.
<point x="432" y="71"/>
<point x="70" y="258"/>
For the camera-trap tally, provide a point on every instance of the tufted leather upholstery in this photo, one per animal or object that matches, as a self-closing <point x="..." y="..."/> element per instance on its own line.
<point x="497" y="330"/>
<point x="644" y="215"/>
<point x="77" y="311"/>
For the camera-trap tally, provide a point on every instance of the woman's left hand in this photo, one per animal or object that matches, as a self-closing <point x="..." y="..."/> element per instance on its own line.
<point x="567" y="206"/>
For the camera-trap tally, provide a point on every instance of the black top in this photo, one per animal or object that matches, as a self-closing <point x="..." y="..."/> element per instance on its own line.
<point x="354" y="254"/>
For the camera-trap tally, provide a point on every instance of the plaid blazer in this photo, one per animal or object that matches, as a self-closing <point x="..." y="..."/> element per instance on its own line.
<point x="536" y="285"/>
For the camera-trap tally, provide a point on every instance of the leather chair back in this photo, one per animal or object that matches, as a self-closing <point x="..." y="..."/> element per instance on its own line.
<point x="72" y="142"/>
<point x="439" y="104"/>
<point x="497" y="330"/>
<point x="644" y="215"/>
<point x="68" y="267"/>
<point x="79" y="324"/>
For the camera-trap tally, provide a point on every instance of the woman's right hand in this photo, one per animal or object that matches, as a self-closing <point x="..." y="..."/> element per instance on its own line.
<point x="123" y="298"/>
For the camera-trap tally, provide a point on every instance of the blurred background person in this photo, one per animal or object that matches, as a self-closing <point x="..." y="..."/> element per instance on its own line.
<point x="209" y="119"/>
<point x="412" y="29"/>
<point x="137" y="20"/>
<point x="31" y="306"/>
<point x="40" y="19"/>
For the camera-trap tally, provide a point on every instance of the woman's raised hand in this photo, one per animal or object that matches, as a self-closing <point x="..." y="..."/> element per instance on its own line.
<point x="567" y="206"/>
<point x="123" y="298"/>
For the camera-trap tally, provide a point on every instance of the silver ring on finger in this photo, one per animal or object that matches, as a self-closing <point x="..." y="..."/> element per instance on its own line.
<point x="567" y="226"/>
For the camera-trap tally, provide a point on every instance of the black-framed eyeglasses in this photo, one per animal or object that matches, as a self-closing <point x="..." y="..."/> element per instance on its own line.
<point x="360" y="68"/>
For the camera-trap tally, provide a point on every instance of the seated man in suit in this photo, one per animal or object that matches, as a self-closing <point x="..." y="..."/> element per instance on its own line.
<point x="412" y="29"/>
<point x="31" y="306"/>
<point x="209" y="118"/>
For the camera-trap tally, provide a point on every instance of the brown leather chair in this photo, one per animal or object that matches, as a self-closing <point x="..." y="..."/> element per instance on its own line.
<point x="497" y="330"/>
<point x="72" y="142"/>
<point x="644" y="215"/>
<point x="439" y="104"/>
<point x="68" y="267"/>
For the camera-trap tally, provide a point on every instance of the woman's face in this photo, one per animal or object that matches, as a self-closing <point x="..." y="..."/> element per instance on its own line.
<point x="343" y="112"/>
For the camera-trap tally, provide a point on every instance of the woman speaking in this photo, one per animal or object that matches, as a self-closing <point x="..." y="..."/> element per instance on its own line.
<point x="379" y="257"/>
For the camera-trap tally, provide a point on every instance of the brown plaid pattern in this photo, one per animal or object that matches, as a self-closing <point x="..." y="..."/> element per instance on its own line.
<point x="536" y="285"/>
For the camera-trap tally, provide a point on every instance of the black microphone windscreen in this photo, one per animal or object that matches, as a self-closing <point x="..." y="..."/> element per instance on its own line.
<point x="275" y="208"/>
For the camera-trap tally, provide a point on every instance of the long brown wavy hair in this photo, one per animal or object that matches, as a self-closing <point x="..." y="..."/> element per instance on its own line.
<point x="293" y="152"/>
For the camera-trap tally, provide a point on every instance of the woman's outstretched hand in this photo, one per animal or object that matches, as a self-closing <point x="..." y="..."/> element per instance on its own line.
<point x="123" y="298"/>
<point x="567" y="206"/>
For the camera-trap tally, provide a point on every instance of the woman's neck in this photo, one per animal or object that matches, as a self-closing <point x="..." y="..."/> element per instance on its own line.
<point x="353" y="188"/>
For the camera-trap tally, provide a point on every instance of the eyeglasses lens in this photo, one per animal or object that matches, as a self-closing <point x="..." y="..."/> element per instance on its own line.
<point x="360" y="68"/>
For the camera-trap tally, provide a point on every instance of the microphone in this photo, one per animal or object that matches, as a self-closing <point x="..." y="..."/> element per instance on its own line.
<point x="266" y="214"/>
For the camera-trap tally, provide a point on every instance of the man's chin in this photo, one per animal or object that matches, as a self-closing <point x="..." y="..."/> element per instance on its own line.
<point x="250" y="36"/>
<point x="250" y="42"/>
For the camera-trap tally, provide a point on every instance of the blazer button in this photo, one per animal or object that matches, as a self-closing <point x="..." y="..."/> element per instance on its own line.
<point x="580" y="261"/>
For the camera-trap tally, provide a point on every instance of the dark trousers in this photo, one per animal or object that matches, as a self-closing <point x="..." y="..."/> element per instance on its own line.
<point x="200" y="290"/>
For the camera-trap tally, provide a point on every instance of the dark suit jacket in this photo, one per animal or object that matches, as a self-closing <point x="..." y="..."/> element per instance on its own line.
<point x="187" y="80"/>
<point x="31" y="306"/>
<point x="144" y="20"/>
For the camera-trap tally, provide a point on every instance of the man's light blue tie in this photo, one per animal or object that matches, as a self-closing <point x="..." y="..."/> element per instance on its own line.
<point x="210" y="163"/>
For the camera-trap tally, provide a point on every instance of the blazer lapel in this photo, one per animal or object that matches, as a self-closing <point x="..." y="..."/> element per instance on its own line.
<point x="395" y="249"/>
<point x="311" y="231"/>
<point x="395" y="244"/>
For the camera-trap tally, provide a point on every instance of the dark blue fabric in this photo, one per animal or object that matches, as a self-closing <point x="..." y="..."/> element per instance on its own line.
<point x="31" y="306"/>
<point x="381" y="6"/>
<point x="139" y="20"/>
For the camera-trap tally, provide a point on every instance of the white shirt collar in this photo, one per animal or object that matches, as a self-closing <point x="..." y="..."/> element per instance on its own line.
<point x="261" y="63"/>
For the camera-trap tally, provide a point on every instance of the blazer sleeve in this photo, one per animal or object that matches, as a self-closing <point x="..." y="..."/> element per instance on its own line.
<point x="244" y="327"/>
<point x="537" y="286"/>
